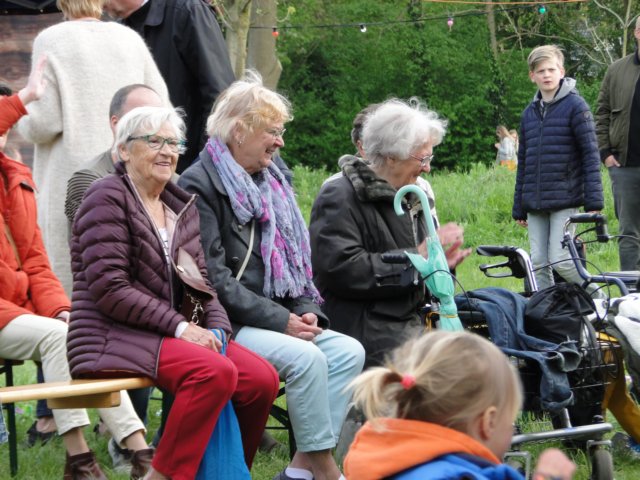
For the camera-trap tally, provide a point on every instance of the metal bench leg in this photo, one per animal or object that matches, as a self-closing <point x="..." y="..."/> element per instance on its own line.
<point x="13" y="440"/>
<point x="281" y="415"/>
<point x="11" y="423"/>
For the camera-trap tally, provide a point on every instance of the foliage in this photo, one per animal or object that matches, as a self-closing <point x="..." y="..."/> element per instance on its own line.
<point x="331" y="73"/>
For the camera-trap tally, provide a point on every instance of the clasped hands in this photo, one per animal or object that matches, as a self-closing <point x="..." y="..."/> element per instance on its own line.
<point x="451" y="238"/>
<point x="304" y="327"/>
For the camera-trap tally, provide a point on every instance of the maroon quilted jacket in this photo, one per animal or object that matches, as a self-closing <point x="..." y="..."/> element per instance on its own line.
<point x="124" y="294"/>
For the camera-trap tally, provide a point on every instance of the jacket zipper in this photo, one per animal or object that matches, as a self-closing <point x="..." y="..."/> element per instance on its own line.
<point x="168" y="263"/>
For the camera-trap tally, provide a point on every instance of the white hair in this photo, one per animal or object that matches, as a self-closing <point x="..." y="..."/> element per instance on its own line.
<point x="397" y="128"/>
<point x="147" y="121"/>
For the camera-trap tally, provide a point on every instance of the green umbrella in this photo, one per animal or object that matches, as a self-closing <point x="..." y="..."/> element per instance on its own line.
<point x="433" y="269"/>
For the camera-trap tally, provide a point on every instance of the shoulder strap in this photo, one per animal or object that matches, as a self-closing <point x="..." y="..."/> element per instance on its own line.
<point x="249" y="250"/>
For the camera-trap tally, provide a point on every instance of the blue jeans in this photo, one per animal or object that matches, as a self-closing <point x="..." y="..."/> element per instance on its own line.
<point x="316" y="375"/>
<point x="4" y="436"/>
<point x="42" y="410"/>
<point x="504" y="314"/>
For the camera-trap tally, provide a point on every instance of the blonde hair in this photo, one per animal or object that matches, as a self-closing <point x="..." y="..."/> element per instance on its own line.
<point x="458" y="375"/>
<point x="502" y="132"/>
<point x="81" y="8"/>
<point x="247" y="104"/>
<point x="545" y="53"/>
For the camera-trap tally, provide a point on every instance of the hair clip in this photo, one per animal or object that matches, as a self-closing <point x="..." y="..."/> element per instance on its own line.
<point x="407" y="381"/>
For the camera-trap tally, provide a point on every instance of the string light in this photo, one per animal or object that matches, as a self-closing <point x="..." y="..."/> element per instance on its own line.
<point x="450" y="22"/>
<point x="542" y="8"/>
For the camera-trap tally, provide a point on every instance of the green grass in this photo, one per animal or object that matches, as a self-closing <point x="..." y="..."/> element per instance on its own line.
<point x="480" y="200"/>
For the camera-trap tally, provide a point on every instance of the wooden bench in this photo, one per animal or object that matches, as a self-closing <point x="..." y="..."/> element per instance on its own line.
<point x="94" y="393"/>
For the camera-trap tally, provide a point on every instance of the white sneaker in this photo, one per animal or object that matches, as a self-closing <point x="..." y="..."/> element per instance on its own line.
<point x="121" y="458"/>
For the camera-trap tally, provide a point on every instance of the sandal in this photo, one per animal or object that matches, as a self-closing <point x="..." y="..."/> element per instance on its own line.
<point x="33" y="435"/>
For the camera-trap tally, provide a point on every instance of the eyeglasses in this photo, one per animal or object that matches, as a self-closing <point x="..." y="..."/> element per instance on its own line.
<point x="156" y="142"/>
<point x="275" y="133"/>
<point x="424" y="161"/>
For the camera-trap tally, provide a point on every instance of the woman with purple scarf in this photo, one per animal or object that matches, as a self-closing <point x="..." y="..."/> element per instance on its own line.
<point x="258" y="258"/>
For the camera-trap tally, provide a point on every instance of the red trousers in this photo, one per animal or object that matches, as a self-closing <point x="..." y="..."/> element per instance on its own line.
<point x="202" y="382"/>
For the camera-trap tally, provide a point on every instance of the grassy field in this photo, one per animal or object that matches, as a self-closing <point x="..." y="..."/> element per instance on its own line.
<point x="479" y="200"/>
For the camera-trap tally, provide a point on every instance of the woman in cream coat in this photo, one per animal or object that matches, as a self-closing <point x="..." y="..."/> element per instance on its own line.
<point x="88" y="60"/>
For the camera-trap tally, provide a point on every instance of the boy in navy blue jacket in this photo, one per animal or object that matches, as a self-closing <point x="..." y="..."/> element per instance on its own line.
<point x="558" y="164"/>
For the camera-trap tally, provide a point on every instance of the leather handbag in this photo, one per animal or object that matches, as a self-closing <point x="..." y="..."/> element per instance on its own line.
<point x="197" y="291"/>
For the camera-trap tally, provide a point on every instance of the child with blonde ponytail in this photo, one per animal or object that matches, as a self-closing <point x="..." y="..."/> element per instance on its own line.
<point x="443" y="407"/>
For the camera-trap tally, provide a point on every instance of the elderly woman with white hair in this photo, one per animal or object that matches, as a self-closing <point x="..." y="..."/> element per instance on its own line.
<point x="142" y="303"/>
<point x="353" y="223"/>
<point x="258" y="257"/>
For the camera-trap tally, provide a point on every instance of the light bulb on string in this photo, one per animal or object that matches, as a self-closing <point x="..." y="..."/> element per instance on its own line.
<point x="275" y="33"/>
<point x="450" y="23"/>
<point x="542" y="9"/>
<point x="363" y="28"/>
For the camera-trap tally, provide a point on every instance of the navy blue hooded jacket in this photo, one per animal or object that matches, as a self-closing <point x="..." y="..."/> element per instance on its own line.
<point x="558" y="159"/>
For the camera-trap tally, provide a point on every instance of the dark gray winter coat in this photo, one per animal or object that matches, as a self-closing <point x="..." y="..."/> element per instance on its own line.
<point x="352" y="224"/>
<point x="226" y="243"/>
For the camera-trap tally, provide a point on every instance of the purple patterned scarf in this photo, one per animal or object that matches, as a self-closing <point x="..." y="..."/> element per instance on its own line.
<point x="268" y="197"/>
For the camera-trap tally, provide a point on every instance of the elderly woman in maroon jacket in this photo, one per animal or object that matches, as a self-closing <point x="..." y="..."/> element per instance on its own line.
<point x="136" y="254"/>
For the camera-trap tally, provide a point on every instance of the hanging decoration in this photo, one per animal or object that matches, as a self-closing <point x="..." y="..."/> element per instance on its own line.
<point x="541" y="8"/>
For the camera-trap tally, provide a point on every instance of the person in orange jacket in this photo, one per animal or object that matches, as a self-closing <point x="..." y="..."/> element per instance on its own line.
<point x="34" y="309"/>
<point x="435" y="412"/>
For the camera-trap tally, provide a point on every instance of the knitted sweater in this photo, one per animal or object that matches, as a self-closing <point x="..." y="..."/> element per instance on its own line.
<point x="87" y="62"/>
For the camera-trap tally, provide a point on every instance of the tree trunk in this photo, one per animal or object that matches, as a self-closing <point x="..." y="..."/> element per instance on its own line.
<point x="491" y="23"/>
<point x="238" y="19"/>
<point x="261" y="53"/>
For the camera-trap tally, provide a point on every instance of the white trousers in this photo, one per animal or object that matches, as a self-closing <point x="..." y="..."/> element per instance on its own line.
<point x="42" y="339"/>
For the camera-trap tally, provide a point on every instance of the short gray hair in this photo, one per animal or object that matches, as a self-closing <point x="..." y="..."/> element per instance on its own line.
<point x="397" y="128"/>
<point x="147" y="121"/>
<point x="248" y="104"/>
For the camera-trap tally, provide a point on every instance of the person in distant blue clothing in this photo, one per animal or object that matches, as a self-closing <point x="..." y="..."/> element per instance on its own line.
<point x="436" y="413"/>
<point x="558" y="165"/>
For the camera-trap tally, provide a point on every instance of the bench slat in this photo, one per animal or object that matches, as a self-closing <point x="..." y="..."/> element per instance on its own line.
<point x="72" y="388"/>
<point x="97" y="400"/>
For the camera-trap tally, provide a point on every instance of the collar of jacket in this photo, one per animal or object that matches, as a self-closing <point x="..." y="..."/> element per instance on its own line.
<point x="369" y="187"/>
<point x="207" y="164"/>
<point x="156" y="13"/>
<point x="172" y="195"/>
<point x="636" y="57"/>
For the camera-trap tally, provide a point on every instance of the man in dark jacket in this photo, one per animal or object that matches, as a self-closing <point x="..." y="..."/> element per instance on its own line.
<point x="617" y="115"/>
<point x="187" y="44"/>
